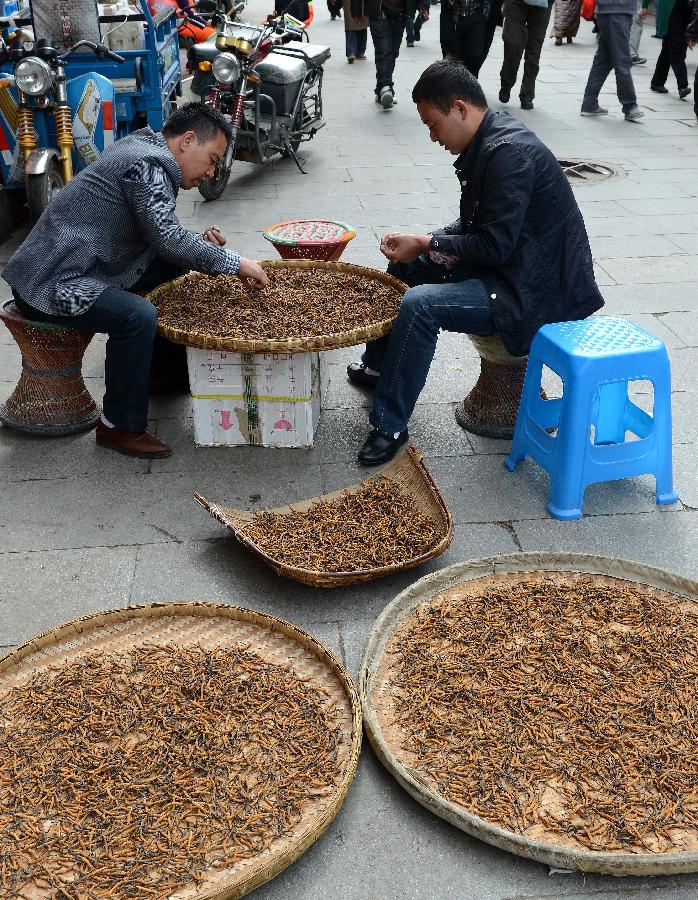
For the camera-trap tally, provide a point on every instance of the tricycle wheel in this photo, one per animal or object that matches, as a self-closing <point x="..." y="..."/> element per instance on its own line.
<point x="41" y="189"/>
<point x="212" y="188"/>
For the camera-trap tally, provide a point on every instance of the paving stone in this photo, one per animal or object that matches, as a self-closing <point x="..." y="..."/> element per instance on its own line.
<point x="42" y="590"/>
<point x="684" y="325"/>
<point x="652" y="270"/>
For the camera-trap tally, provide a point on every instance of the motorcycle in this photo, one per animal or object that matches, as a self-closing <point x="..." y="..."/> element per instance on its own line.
<point x="269" y="85"/>
<point x="37" y="103"/>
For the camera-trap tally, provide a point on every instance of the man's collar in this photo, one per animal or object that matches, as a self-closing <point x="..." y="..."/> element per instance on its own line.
<point x="465" y="162"/>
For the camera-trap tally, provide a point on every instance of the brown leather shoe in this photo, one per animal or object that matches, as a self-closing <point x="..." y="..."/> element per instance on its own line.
<point x="139" y="443"/>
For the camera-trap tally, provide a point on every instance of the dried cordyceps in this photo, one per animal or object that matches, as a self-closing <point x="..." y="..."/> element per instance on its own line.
<point x="559" y="706"/>
<point x="134" y="774"/>
<point x="297" y="303"/>
<point x="377" y="525"/>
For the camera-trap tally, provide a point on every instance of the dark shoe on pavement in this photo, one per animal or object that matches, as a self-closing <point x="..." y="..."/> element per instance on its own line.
<point x="526" y="104"/>
<point x="409" y="43"/>
<point x="684" y="92"/>
<point x="350" y="59"/>
<point x="386" y="98"/>
<point x="659" y="89"/>
<point x="381" y="448"/>
<point x="638" y="60"/>
<point x="140" y="443"/>
<point x="358" y="375"/>
<point x="633" y="114"/>
<point x="504" y="94"/>
<point x="599" y="111"/>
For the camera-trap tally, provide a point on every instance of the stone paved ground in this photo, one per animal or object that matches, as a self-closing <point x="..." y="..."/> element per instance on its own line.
<point x="82" y="529"/>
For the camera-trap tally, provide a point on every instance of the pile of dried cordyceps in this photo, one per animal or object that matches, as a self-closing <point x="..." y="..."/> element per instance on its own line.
<point x="297" y="303"/>
<point x="377" y="525"/>
<point x="561" y="707"/>
<point x="132" y="775"/>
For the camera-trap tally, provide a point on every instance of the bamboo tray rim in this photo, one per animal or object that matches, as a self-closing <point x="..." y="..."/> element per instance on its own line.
<point x="263" y="870"/>
<point x="554" y="855"/>
<point x="298" y="344"/>
<point x="409" y="456"/>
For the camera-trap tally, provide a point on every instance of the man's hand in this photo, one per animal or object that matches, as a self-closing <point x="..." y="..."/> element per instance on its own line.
<point x="643" y="13"/>
<point x="404" y="247"/>
<point x="213" y="235"/>
<point x="424" y="14"/>
<point x="252" y="274"/>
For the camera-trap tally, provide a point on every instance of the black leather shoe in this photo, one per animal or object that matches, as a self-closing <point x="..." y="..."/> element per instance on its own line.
<point x="381" y="448"/>
<point x="659" y="89"/>
<point x="504" y="94"/>
<point x="358" y="375"/>
<point x="526" y="104"/>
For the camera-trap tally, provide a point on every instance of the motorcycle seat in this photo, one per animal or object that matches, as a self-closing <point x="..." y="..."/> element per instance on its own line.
<point x="317" y="54"/>
<point x="200" y="52"/>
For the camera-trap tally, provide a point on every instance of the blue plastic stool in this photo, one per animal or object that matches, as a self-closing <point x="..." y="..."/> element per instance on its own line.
<point x="595" y="358"/>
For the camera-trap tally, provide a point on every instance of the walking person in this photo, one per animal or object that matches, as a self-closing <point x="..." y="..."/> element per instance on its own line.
<point x="523" y="34"/>
<point x="672" y="21"/>
<point x="334" y="8"/>
<point x="691" y="41"/>
<point x="464" y="31"/>
<point x="386" y="21"/>
<point x="635" y="36"/>
<point x="355" y="29"/>
<point x="566" y="20"/>
<point x="613" y="20"/>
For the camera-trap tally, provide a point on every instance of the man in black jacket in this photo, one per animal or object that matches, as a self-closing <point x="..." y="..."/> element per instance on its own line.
<point x="517" y="258"/>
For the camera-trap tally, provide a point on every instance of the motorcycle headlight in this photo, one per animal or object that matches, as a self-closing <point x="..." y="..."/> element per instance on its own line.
<point x="226" y="68"/>
<point x="34" y="76"/>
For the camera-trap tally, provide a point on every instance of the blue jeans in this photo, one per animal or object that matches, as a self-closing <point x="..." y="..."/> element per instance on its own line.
<point x="387" y="37"/>
<point x="356" y="42"/>
<point x="129" y="321"/>
<point x="413" y="28"/>
<point x="438" y="298"/>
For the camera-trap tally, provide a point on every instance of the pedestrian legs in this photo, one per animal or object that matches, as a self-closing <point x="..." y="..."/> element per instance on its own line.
<point x="524" y="33"/>
<point x="612" y="52"/>
<point x="673" y="52"/>
<point x="386" y="37"/>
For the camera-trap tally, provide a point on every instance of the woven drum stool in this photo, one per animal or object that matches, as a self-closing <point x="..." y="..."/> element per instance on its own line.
<point x="310" y="239"/>
<point x="491" y="406"/>
<point x="50" y="397"/>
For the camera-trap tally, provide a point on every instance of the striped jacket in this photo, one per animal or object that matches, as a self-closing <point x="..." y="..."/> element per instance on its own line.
<point x="104" y="228"/>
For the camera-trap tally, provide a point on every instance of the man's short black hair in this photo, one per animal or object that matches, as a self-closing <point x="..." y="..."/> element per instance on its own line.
<point x="203" y="121"/>
<point x="444" y="82"/>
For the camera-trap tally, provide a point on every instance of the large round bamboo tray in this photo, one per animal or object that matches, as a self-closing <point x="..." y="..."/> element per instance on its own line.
<point x="369" y="332"/>
<point x="375" y="690"/>
<point x="186" y="625"/>
<point x="407" y="470"/>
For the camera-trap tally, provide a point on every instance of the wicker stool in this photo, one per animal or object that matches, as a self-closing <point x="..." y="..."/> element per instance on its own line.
<point x="310" y="239"/>
<point x="491" y="406"/>
<point x="50" y="397"/>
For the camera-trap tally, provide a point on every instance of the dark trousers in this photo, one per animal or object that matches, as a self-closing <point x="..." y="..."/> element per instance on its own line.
<point x="673" y="52"/>
<point x="524" y="32"/>
<point x="612" y="52"/>
<point x="387" y="37"/>
<point x="466" y="41"/>
<point x="356" y="42"/>
<point x="132" y="345"/>
<point x="438" y="299"/>
<point x="334" y="7"/>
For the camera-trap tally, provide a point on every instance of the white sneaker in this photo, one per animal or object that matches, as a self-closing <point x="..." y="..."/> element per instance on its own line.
<point x="599" y="111"/>
<point x="386" y="97"/>
<point x="634" y="114"/>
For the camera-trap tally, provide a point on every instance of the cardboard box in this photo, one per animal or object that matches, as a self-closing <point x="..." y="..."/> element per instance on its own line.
<point x="271" y="400"/>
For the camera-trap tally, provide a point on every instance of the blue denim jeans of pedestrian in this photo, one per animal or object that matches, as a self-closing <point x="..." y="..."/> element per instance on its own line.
<point x="356" y="42"/>
<point x="413" y="28"/>
<point x="438" y="299"/>
<point x="129" y="321"/>
<point x="387" y="37"/>
<point x="612" y="52"/>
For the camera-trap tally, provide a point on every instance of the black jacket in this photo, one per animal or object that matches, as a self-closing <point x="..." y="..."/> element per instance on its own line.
<point x="521" y="232"/>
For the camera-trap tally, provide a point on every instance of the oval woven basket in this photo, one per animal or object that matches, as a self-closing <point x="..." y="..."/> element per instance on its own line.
<point x="187" y="626"/>
<point x="305" y="344"/>
<point x="374" y="688"/>
<point x="407" y="470"/>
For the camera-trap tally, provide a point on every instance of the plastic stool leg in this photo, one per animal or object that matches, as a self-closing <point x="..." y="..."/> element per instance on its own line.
<point x="664" y="483"/>
<point x="567" y="477"/>
<point x="609" y="418"/>
<point x="531" y="388"/>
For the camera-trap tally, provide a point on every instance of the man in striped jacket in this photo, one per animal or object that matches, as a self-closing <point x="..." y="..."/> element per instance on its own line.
<point x="112" y="233"/>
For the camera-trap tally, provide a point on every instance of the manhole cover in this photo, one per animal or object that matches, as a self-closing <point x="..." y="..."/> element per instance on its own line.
<point x="580" y="171"/>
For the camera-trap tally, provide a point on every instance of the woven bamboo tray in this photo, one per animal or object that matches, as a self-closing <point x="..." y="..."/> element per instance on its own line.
<point x="369" y="332"/>
<point x="374" y="688"/>
<point x="209" y="626"/>
<point x="407" y="470"/>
